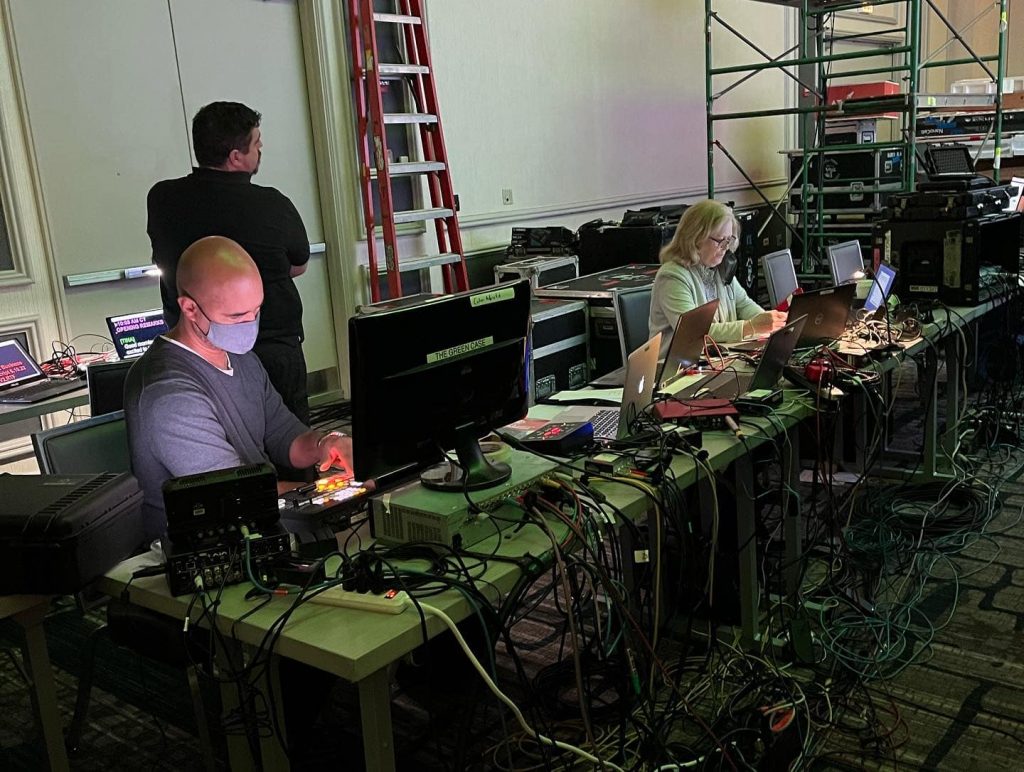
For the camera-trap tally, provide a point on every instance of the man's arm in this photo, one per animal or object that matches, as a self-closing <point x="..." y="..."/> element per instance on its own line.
<point x="296" y="240"/>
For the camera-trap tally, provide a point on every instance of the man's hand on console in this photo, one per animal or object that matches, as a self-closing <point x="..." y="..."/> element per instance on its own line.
<point x="335" y="452"/>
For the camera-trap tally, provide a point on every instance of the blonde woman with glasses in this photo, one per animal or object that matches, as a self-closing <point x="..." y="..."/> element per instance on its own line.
<point x="689" y="277"/>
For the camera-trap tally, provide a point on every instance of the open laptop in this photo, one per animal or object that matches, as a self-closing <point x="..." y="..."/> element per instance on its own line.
<point x="22" y="380"/>
<point x="731" y="384"/>
<point x="881" y="286"/>
<point x="614" y="423"/>
<point x="826" y="310"/>
<point x="687" y="343"/>
<point x="132" y="334"/>
<point x="683" y="352"/>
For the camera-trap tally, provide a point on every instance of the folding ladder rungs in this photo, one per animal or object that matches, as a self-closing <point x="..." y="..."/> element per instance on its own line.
<point x="419" y="156"/>
<point x="396" y="18"/>
<point x="428" y="261"/>
<point x="393" y="118"/>
<point x="421" y="215"/>
<point x="400" y="70"/>
<point x="405" y="168"/>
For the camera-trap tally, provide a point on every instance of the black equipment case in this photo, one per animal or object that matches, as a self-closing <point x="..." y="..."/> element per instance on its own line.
<point x="60" y="532"/>
<point x="950" y="205"/>
<point x="603" y="246"/>
<point x="559" y="354"/>
<point x="598" y="290"/>
<point x="948" y="259"/>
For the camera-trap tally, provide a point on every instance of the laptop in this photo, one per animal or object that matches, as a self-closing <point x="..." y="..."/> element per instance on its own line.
<point x="882" y="285"/>
<point x="826" y="310"/>
<point x="22" y="380"/>
<point x="132" y="334"/>
<point x="614" y="423"/>
<point x="731" y="384"/>
<point x="687" y="343"/>
<point x="683" y="352"/>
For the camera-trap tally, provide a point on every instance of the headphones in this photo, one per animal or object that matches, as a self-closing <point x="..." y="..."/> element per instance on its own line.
<point x="727" y="268"/>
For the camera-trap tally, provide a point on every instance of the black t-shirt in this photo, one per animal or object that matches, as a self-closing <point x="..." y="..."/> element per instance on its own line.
<point x="210" y="202"/>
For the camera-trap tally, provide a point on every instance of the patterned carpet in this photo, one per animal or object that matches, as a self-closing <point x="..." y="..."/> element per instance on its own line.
<point x="961" y="707"/>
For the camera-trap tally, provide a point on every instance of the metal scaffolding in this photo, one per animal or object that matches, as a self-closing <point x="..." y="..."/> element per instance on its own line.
<point x="813" y="222"/>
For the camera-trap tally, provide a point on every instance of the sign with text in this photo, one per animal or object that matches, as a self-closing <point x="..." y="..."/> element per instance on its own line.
<point x="132" y="334"/>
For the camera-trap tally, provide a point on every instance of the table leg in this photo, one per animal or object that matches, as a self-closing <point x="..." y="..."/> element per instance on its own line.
<point x="375" y="713"/>
<point x="746" y="542"/>
<point x="31" y="621"/>
<point x="793" y="523"/>
<point x="931" y="418"/>
<point x="954" y="394"/>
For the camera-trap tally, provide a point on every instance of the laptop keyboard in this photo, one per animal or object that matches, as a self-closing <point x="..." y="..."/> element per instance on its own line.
<point x="30" y="391"/>
<point x="606" y="423"/>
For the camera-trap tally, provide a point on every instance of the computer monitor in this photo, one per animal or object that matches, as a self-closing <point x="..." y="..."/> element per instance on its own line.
<point x="438" y="375"/>
<point x="846" y="262"/>
<point x="106" y="385"/>
<point x="779" y="276"/>
<point x="880" y="287"/>
<point x="132" y="334"/>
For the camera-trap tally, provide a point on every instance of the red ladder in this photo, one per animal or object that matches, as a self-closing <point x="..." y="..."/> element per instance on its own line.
<point x="379" y="167"/>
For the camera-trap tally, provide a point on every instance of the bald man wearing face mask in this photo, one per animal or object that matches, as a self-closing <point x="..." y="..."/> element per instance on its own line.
<point x="200" y="400"/>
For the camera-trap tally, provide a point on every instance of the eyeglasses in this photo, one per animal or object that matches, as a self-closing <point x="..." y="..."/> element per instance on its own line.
<point x="725" y="243"/>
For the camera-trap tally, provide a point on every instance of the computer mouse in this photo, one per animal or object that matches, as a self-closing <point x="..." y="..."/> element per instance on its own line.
<point x="701" y="393"/>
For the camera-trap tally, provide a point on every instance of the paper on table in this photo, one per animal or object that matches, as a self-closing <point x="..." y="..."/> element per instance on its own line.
<point x="611" y="396"/>
<point x="677" y="386"/>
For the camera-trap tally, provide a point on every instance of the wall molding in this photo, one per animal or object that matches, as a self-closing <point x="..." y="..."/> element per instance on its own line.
<point x="649" y="198"/>
<point x="322" y="24"/>
<point x="35" y="269"/>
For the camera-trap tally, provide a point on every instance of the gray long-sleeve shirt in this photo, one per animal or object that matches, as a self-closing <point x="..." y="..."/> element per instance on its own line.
<point x="185" y="416"/>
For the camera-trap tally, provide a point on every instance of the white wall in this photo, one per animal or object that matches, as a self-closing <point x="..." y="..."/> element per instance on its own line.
<point x="587" y="107"/>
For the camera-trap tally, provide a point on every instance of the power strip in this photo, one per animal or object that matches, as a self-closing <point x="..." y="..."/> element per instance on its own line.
<point x="391" y="602"/>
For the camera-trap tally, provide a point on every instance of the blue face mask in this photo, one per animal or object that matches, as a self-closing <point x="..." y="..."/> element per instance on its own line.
<point x="237" y="338"/>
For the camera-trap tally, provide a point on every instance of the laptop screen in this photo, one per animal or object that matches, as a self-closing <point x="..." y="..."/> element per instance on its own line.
<point x="133" y="333"/>
<point x="880" y="287"/>
<point x="16" y="366"/>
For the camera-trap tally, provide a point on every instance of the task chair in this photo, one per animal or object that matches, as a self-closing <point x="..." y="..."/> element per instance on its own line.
<point x="106" y="385"/>
<point x="632" y="309"/>
<point x="100" y="444"/>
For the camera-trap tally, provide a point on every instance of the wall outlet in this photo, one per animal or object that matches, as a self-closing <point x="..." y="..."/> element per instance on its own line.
<point x="506" y="196"/>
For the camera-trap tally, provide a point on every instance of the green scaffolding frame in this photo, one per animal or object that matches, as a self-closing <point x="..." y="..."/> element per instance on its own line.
<point x="810" y="68"/>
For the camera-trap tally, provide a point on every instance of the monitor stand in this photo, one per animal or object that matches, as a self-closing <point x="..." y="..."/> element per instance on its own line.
<point x="450" y="477"/>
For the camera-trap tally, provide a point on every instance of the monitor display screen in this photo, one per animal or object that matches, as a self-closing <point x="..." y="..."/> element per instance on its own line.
<point x="779" y="276"/>
<point x="132" y="334"/>
<point x="846" y="262"/>
<point x="435" y="376"/>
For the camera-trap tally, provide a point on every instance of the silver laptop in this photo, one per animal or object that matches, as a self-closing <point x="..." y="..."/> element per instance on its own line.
<point x="614" y="423"/>
<point x="22" y="380"/>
